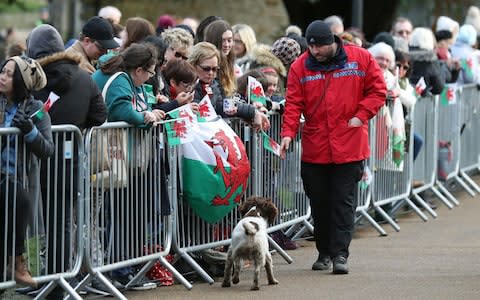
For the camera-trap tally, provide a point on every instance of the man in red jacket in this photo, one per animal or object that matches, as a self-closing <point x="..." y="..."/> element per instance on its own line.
<point x="337" y="88"/>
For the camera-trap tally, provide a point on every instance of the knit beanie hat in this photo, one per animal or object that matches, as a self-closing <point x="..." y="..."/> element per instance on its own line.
<point x="446" y="23"/>
<point x="467" y="35"/>
<point x="473" y="17"/>
<point x="384" y="37"/>
<point x="319" y="33"/>
<point x="286" y="49"/>
<point x="32" y="73"/>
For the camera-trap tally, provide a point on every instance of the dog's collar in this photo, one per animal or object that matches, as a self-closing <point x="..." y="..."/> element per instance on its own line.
<point x="253" y="208"/>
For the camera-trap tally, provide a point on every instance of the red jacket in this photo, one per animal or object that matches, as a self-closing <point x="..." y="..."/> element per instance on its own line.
<point x="356" y="88"/>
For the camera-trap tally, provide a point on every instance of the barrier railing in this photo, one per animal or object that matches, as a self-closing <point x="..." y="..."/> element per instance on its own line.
<point x="53" y="244"/>
<point x="9" y="139"/>
<point x="128" y="202"/>
<point x="392" y="178"/>
<point x="425" y="166"/>
<point x="449" y="127"/>
<point x="469" y="134"/>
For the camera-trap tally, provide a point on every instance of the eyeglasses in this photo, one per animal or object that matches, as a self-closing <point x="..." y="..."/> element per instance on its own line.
<point x="180" y="55"/>
<point x="151" y="73"/>
<point x="208" y="69"/>
<point x="404" y="67"/>
<point x="7" y="72"/>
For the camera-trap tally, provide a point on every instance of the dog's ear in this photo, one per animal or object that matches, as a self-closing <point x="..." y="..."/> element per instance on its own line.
<point x="247" y="204"/>
<point x="268" y="209"/>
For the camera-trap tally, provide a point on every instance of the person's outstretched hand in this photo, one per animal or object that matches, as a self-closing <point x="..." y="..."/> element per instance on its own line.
<point x="284" y="145"/>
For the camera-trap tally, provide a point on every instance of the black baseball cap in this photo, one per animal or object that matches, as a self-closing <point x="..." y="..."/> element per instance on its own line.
<point x="101" y="30"/>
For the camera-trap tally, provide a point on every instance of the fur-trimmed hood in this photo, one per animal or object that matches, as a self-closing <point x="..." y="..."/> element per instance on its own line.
<point x="60" y="56"/>
<point x="261" y="56"/>
<point x="418" y="54"/>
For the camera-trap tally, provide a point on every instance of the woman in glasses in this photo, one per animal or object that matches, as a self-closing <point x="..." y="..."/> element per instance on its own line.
<point x="205" y="59"/>
<point x="126" y="97"/>
<point x="179" y="43"/>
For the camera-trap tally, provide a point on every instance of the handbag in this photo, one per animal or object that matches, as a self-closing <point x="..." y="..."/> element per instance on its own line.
<point x="109" y="154"/>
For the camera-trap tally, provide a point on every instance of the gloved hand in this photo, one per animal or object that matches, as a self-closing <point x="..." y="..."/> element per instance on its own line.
<point x="22" y="121"/>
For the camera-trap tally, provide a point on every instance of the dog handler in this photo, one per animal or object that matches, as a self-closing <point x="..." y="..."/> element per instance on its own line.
<point x="338" y="88"/>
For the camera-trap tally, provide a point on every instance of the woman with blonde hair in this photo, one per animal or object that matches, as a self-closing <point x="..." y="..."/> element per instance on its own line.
<point x="205" y="59"/>
<point x="244" y="40"/>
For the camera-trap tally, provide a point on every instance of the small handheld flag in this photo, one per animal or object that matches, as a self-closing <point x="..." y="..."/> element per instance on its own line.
<point x="270" y="145"/>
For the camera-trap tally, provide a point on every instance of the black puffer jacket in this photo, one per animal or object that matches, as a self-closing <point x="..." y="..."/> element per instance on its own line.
<point x="425" y="63"/>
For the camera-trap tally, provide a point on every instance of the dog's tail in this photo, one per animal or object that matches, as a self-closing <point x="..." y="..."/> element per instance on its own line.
<point x="251" y="228"/>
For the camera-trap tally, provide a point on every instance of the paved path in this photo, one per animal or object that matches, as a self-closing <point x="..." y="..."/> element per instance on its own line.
<point x="438" y="259"/>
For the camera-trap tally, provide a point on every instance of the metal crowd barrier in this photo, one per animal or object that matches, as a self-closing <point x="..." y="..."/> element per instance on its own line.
<point x="391" y="181"/>
<point x="127" y="206"/>
<point x="364" y="189"/>
<point x="425" y="166"/>
<point x="270" y="177"/>
<point x="54" y="243"/>
<point x="280" y="180"/>
<point x="449" y="129"/>
<point x="9" y="138"/>
<point x="470" y="134"/>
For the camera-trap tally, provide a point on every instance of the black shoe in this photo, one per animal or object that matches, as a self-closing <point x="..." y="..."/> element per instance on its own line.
<point x="323" y="263"/>
<point x="340" y="265"/>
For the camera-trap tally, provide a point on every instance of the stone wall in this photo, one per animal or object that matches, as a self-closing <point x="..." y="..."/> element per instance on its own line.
<point x="268" y="18"/>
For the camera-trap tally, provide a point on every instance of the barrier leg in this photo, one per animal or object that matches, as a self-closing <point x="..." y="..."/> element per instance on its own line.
<point x="46" y="290"/>
<point x="447" y="193"/>
<point x="68" y="288"/>
<point x="140" y="274"/>
<point x="196" y="266"/>
<point x="441" y="197"/>
<point x="388" y="218"/>
<point x="470" y="181"/>
<point x="417" y="210"/>
<point x="177" y="274"/>
<point x="424" y="204"/>
<point x="279" y="249"/>
<point x="373" y="223"/>
<point x="465" y="186"/>
<point x="110" y="286"/>
<point x="307" y="227"/>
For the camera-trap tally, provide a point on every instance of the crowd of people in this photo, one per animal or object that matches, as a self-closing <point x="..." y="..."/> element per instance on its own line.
<point x="331" y="75"/>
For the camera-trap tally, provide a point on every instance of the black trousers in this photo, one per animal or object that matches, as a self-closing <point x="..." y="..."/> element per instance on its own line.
<point x="331" y="189"/>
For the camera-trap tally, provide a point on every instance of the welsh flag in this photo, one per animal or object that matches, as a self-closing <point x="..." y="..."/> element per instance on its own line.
<point x="255" y="91"/>
<point x="467" y="65"/>
<point x="398" y="147"/>
<point x="270" y="144"/>
<point x="184" y="111"/>
<point x="179" y="131"/>
<point x="206" y="112"/>
<point x="52" y="98"/>
<point x="215" y="170"/>
<point x="420" y="87"/>
<point x="39" y="114"/>
<point x="448" y="95"/>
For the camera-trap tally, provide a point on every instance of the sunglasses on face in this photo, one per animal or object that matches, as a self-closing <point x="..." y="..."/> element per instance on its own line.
<point x="208" y="69"/>
<point x="180" y="55"/>
<point x="404" y="67"/>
